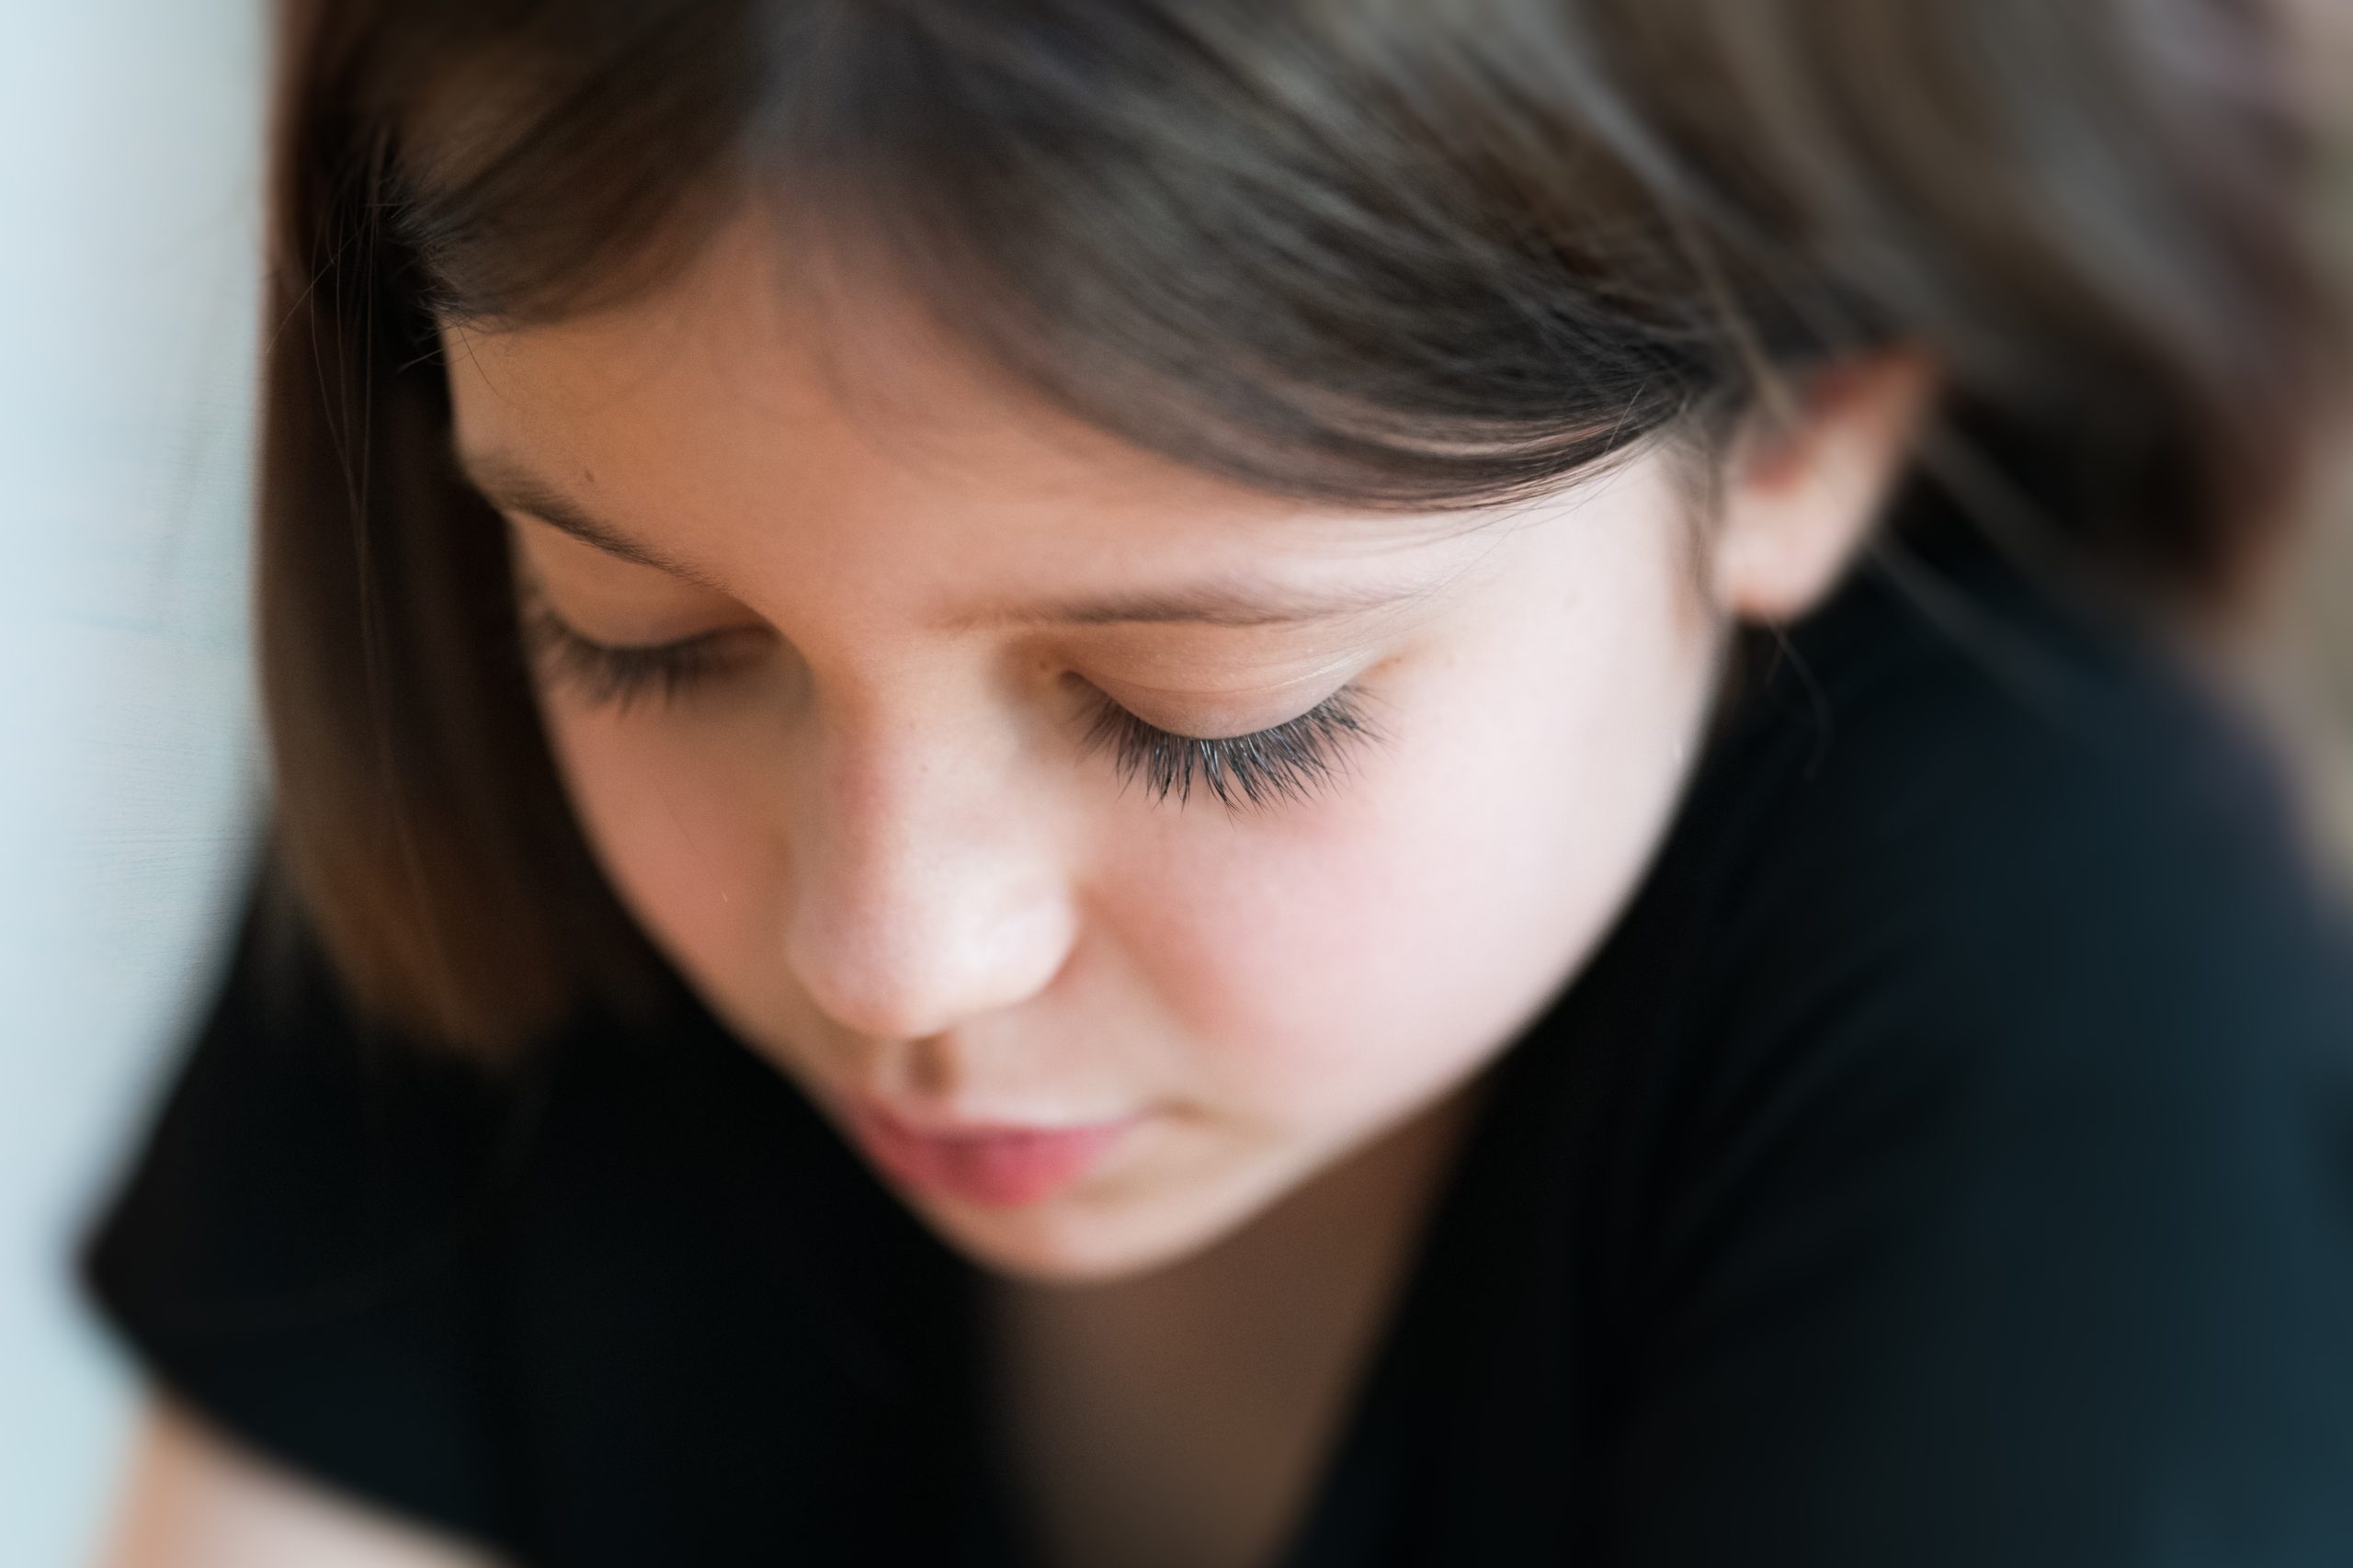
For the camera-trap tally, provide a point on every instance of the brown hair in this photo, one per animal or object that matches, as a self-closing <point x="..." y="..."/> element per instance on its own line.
<point x="1385" y="252"/>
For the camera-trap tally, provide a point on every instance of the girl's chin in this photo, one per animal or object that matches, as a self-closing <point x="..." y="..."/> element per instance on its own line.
<point x="1079" y="1237"/>
<point x="1059" y="1241"/>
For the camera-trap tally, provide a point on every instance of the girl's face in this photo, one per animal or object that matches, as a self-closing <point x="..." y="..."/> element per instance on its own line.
<point x="908" y="820"/>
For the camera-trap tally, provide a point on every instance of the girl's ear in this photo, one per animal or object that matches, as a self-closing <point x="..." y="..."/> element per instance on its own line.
<point x="1803" y="485"/>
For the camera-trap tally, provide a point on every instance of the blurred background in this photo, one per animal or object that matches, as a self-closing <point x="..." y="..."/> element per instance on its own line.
<point x="129" y="764"/>
<point x="128" y="769"/>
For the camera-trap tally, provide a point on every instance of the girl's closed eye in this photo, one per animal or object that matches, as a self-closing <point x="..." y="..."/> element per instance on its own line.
<point x="1288" y="761"/>
<point x="614" y="675"/>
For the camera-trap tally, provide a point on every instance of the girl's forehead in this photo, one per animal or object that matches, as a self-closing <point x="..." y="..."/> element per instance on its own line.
<point x="697" y="418"/>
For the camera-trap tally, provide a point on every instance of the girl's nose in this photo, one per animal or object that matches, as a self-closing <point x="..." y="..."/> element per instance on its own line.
<point x="924" y="893"/>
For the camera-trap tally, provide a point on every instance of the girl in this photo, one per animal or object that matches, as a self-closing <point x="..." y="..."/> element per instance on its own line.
<point x="1267" y="783"/>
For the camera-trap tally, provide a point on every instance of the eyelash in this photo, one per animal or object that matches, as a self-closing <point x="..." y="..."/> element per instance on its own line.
<point x="606" y="674"/>
<point x="1292" y="760"/>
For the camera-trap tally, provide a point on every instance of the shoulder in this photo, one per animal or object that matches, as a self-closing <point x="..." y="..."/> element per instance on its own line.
<point x="1995" y="1195"/>
<point x="2026" y="837"/>
<point x="1957" y="891"/>
<point x="295" y="1147"/>
<point x="293" y="1238"/>
<point x="2040" y="942"/>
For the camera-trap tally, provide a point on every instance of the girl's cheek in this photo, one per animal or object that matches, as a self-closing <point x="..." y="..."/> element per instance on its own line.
<point x="662" y="805"/>
<point x="1345" y="958"/>
<point x="1310" y="957"/>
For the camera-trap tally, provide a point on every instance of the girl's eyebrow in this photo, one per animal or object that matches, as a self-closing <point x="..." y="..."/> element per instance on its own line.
<point x="1214" y="603"/>
<point x="503" y="483"/>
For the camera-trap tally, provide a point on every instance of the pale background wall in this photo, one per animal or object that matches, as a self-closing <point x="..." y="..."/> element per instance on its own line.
<point x="129" y="150"/>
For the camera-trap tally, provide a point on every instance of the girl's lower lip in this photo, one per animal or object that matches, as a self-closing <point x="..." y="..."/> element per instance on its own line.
<point x="1000" y="1169"/>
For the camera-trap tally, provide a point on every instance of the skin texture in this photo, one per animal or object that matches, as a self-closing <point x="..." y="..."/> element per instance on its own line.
<point x="874" y="839"/>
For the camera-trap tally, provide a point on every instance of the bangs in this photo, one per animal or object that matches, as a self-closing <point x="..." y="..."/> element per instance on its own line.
<point x="1250" y="248"/>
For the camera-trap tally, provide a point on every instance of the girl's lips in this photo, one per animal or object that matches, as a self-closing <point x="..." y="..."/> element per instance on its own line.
<point x="1002" y="1167"/>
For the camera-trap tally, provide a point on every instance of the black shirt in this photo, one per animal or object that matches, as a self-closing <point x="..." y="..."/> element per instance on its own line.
<point x="1947" y="1158"/>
